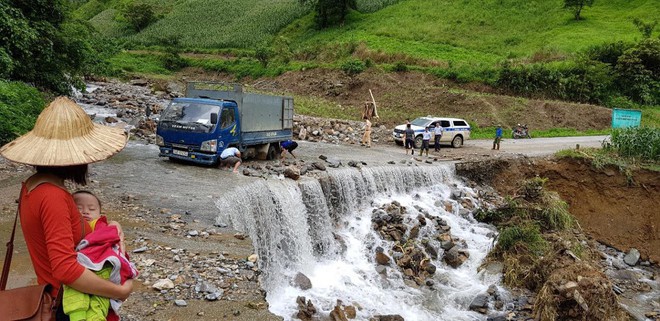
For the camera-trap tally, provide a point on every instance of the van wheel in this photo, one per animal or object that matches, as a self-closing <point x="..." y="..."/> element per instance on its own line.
<point x="418" y="141"/>
<point x="272" y="152"/>
<point x="457" y="142"/>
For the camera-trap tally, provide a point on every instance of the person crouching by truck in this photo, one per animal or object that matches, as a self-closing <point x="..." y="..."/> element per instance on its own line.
<point x="288" y="146"/>
<point x="230" y="156"/>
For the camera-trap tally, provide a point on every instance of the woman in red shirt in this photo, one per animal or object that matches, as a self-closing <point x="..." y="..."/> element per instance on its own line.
<point x="64" y="140"/>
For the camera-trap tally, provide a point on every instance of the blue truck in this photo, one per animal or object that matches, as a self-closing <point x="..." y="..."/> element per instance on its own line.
<point x="214" y="116"/>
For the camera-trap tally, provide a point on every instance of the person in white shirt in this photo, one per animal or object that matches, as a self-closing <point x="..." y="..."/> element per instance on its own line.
<point x="230" y="156"/>
<point x="426" y="137"/>
<point x="438" y="130"/>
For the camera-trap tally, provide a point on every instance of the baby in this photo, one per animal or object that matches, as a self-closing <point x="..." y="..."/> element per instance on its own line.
<point x="103" y="252"/>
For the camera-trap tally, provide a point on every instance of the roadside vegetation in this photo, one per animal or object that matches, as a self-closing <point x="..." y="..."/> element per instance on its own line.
<point x="627" y="149"/>
<point x="542" y="250"/>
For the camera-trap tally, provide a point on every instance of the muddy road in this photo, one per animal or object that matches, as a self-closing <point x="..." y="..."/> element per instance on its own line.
<point x="138" y="171"/>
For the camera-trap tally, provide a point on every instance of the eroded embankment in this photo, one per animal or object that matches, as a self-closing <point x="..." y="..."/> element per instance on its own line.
<point x="616" y="209"/>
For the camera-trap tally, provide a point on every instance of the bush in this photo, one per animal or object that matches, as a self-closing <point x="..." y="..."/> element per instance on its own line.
<point x="20" y="105"/>
<point x="263" y="54"/>
<point x="172" y="60"/>
<point x="139" y="15"/>
<point x="638" y="72"/>
<point x="608" y="53"/>
<point x="400" y="66"/>
<point x="642" y="142"/>
<point x="353" y="67"/>
<point x="582" y="81"/>
<point x="527" y="235"/>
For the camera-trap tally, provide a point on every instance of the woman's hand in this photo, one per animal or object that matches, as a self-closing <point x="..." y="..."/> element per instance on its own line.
<point x="126" y="290"/>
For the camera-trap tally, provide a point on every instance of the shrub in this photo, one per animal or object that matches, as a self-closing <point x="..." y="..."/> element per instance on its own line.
<point x="527" y="235"/>
<point x="20" y="105"/>
<point x="172" y="60"/>
<point x="642" y="142"/>
<point x="638" y="72"/>
<point x="353" y="67"/>
<point x="263" y="54"/>
<point x="608" y="53"/>
<point x="139" y="15"/>
<point x="554" y="212"/>
<point x="400" y="66"/>
<point x="582" y="81"/>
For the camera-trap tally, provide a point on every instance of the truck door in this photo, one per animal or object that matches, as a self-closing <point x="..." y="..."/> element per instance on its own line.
<point x="229" y="132"/>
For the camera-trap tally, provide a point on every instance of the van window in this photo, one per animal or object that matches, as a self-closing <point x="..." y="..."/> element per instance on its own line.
<point x="458" y="123"/>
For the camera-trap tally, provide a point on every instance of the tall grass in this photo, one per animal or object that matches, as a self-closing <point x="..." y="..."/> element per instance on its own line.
<point x="527" y="235"/>
<point x="641" y="142"/>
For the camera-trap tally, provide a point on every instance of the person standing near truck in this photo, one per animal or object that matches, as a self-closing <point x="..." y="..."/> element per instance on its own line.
<point x="230" y="156"/>
<point x="366" y="138"/>
<point x="410" y="139"/>
<point x="437" y="131"/>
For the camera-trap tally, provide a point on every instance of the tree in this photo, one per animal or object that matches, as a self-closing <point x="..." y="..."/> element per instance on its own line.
<point x="638" y="72"/>
<point x="139" y="15"/>
<point x="42" y="47"/>
<point x="330" y="12"/>
<point x="576" y="6"/>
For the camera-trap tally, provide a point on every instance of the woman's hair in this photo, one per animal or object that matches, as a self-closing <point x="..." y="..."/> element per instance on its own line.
<point x="88" y="193"/>
<point x="74" y="173"/>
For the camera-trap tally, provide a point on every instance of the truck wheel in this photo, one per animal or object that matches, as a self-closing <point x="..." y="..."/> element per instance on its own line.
<point x="457" y="142"/>
<point x="272" y="152"/>
<point x="418" y="141"/>
<point x="400" y="143"/>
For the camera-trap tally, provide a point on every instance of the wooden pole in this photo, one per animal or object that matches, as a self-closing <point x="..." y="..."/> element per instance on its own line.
<point x="374" y="101"/>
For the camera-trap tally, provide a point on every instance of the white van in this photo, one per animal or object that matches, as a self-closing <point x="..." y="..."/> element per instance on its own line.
<point x="456" y="130"/>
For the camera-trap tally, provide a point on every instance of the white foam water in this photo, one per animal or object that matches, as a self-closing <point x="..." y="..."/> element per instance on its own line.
<point x="322" y="228"/>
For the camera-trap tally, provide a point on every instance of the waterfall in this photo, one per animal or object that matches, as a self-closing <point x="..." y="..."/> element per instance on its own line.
<point x="322" y="227"/>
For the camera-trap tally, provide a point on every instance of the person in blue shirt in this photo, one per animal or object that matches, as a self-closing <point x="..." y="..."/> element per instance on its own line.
<point x="498" y="138"/>
<point x="288" y="146"/>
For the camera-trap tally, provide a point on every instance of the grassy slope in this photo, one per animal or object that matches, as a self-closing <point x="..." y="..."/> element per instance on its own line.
<point x="482" y="31"/>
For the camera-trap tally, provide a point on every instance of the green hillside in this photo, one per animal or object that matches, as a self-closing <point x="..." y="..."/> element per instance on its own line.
<point x="483" y="30"/>
<point x="448" y="30"/>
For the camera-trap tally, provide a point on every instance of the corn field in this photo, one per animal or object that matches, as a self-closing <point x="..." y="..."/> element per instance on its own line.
<point x="223" y="24"/>
<point x="641" y="142"/>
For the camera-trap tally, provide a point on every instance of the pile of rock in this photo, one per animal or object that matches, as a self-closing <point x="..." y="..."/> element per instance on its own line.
<point x="337" y="131"/>
<point x="414" y="251"/>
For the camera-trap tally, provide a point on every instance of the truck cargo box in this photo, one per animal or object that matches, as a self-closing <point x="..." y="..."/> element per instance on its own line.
<point x="257" y="112"/>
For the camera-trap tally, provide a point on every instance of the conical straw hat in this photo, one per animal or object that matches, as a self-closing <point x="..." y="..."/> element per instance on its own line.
<point x="64" y="135"/>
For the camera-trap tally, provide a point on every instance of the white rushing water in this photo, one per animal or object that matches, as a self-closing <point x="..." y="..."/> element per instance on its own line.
<point x="322" y="228"/>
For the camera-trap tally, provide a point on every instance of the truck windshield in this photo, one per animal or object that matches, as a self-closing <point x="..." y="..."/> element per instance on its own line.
<point x="189" y="116"/>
